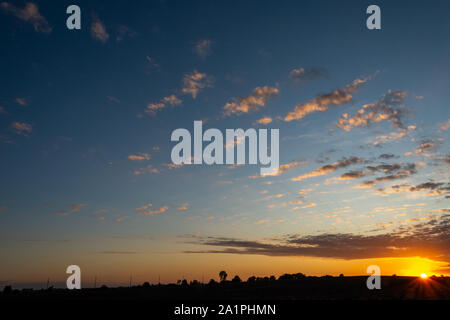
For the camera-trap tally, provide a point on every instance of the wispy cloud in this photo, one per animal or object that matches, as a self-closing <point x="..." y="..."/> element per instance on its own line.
<point x="154" y="212"/>
<point x="183" y="207"/>
<point x="139" y="157"/>
<point x="30" y="13"/>
<point x="329" y="168"/>
<point x="427" y="239"/>
<point x="22" y="101"/>
<point x="195" y="82"/>
<point x="323" y="101"/>
<point x="383" y="109"/>
<point x="98" y="30"/>
<point x="22" y="128"/>
<point x="74" y="208"/>
<point x="392" y="172"/>
<point x="124" y="32"/>
<point x="281" y="169"/>
<point x="251" y="103"/>
<point x="425" y="147"/>
<point x="431" y="188"/>
<point x="445" y="125"/>
<point x="302" y="74"/>
<point x="203" y="48"/>
<point x="113" y="99"/>
<point x="145" y="207"/>
<point x="147" y="169"/>
<point x="264" y="120"/>
<point x="153" y="108"/>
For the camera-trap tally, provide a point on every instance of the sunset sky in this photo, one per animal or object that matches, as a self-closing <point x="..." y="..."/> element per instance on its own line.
<point x="86" y="116"/>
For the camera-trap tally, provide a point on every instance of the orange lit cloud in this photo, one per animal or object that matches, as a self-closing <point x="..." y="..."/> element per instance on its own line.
<point x="328" y="168"/>
<point x="323" y="101"/>
<point x="139" y="157"/>
<point x="153" y="212"/>
<point x="251" y="103"/>
<point x="195" y="82"/>
<point x="30" y="13"/>
<point x="383" y="109"/>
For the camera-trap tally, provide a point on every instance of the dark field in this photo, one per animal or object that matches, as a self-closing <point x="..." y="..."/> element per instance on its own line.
<point x="306" y="288"/>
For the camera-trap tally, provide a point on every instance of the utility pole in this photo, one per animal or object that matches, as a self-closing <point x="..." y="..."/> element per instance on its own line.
<point x="48" y="282"/>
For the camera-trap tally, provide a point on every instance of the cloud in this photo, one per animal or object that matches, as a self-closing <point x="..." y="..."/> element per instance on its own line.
<point x="425" y="147"/>
<point x="393" y="136"/>
<point x="386" y="156"/>
<point x="22" y="128"/>
<point x="251" y="103"/>
<point x="98" y="30"/>
<point x="153" y="212"/>
<point x="2" y="110"/>
<point x="30" y="13"/>
<point x="183" y="207"/>
<point x="432" y="188"/>
<point x="151" y="62"/>
<point x="74" y="208"/>
<point x="393" y="172"/>
<point x="329" y="168"/>
<point x="3" y="209"/>
<point x="172" y="100"/>
<point x="22" y="101"/>
<point x="153" y="108"/>
<point x="203" y="48"/>
<point x="429" y="239"/>
<point x="147" y="169"/>
<point x="306" y="206"/>
<point x="323" y="101"/>
<point x="120" y="219"/>
<point x="195" y="82"/>
<point x="78" y="206"/>
<point x="445" y="125"/>
<point x="353" y="175"/>
<point x="139" y="157"/>
<point x="302" y="74"/>
<point x="383" y="109"/>
<point x="281" y="169"/>
<point x="113" y="99"/>
<point x="264" y="120"/>
<point x="123" y="32"/>
<point x="145" y="207"/>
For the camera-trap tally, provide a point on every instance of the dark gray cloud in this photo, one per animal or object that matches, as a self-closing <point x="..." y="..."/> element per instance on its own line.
<point x="429" y="239"/>
<point x="388" y="107"/>
<point x="386" y="156"/>
<point x="393" y="172"/>
<point x="354" y="175"/>
<point x="307" y="74"/>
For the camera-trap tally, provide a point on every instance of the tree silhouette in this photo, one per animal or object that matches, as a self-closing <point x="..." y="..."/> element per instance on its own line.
<point x="236" y="279"/>
<point x="223" y="276"/>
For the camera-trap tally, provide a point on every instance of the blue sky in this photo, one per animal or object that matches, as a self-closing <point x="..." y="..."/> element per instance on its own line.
<point x="82" y="146"/>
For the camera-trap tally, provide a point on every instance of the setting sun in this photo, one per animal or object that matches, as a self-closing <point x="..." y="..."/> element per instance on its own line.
<point x="423" y="276"/>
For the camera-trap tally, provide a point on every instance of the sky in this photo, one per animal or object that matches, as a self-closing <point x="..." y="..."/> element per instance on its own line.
<point x="86" y="118"/>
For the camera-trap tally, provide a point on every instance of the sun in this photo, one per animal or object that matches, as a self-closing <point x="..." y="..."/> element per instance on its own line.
<point x="423" y="276"/>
